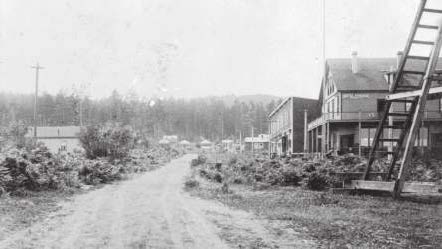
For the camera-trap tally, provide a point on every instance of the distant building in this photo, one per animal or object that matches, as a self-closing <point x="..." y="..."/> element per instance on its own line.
<point x="206" y="145"/>
<point x="58" y="138"/>
<point x="257" y="144"/>
<point x="164" y="142"/>
<point x="286" y="125"/>
<point x="228" y="145"/>
<point x="173" y="139"/>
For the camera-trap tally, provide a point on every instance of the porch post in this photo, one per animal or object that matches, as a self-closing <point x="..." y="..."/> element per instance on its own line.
<point x="317" y="139"/>
<point x="328" y="137"/>
<point x="360" y="133"/>
<point x="305" y="132"/>
<point x="311" y="141"/>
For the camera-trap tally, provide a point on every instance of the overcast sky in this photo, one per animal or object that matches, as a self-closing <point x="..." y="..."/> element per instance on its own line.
<point x="191" y="48"/>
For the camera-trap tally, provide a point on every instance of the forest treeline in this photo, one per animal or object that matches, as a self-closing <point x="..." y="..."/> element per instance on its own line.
<point x="211" y="118"/>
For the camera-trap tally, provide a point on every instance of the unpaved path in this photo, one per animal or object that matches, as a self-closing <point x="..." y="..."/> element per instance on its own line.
<point x="150" y="211"/>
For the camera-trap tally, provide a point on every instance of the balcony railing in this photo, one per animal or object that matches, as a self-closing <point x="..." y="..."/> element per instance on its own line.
<point x="364" y="116"/>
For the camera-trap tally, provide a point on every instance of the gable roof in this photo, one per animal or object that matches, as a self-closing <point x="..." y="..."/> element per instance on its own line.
<point x="371" y="75"/>
<point x="369" y="78"/>
<point x="55" y="132"/>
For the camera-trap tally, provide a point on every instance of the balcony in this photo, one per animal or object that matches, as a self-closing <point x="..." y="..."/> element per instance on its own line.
<point x="363" y="116"/>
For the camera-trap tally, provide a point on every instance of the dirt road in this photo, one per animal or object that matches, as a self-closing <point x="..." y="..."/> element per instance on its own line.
<point x="150" y="211"/>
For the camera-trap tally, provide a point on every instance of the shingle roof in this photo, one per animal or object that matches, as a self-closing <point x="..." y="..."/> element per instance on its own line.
<point x="371" y="73"/>
<point x="369" y="77"/>
<point x="55" y="131"/>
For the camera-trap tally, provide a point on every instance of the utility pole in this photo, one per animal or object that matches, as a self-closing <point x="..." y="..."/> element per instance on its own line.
<point x="240" y="142"/>
<point x="305" y="131"/>
<point x="253" y="139"/>
<point x="222" y="125"/>
<point x="37" y="68"/>
<point x="81" y="113"/>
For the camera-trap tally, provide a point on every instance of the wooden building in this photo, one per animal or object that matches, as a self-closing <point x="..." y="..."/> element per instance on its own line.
<point x="57" y="138"/>
<point x="258" y="144"/>
<point x="352" y="98"/>
<point x="286" y="125"/>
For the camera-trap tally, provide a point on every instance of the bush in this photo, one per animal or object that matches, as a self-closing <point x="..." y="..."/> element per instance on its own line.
<point x="112" y="141"/>
<point x="95" y="172"/>
<point x="290" y="177"/>
<point x="317" y="181"/>
<point x="218" y="177"/>
<point x="200" y="160"/>
<point x="35" y="170"/>
<point x="191" y="183"/>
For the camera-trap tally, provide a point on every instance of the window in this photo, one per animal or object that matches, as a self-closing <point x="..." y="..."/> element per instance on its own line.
<point x="364" y="137"/>
<point x="440" y="104"/>
<point x="381" y="105"/>
<point x="421" y="139"/>
<point x="407" y="107"/>
<point x="367" y="135"/>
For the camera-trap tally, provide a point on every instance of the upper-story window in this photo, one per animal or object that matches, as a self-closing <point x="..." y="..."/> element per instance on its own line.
<point x="440" y="104"/>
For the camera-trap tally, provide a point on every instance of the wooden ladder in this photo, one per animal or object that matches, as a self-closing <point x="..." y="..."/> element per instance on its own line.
<point x="410" y="87"/>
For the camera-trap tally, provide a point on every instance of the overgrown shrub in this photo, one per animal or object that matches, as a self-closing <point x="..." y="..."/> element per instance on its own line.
<point x="218" y="177"/>
<point x="113" y="141"/>
<point x="95" y="172"/>
<point x="35" y="170"/>
<point x="200" y="160"/>
<point x="317" y="181"/>
<point x="191" y="183"/>
<point x="290" y="177"/>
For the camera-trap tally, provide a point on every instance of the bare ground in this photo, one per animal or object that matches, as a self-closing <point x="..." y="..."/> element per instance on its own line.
<point x="333" y="220"/>
<point x="149" y="211"/>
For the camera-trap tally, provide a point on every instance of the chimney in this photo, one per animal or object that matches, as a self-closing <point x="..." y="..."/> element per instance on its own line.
<point x="400" y="54"/>
<point x="354" y="62"/>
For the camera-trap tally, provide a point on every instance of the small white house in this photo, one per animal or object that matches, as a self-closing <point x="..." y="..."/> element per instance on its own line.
<point x="257" y="144"/>
<point x="184" y="144"/>
<point x="206" y="145"/>
<point x="58" y="138"/>
<point x="173" y="139"/>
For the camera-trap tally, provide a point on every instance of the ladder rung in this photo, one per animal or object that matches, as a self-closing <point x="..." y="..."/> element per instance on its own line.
<point x="433" y="11"/>
<point x="436" y="78"/>
<point x="408" y="87"/>
<point x="389" y="139"/>
<point x="416" y="57"/>
<point x="413" y="72"/>
<point x="423" y="42"/>
<point x="398" y="127"/>
<point x="385" y="152"/>
<point x="424" y="26"/>
<point x="397" y="114"/>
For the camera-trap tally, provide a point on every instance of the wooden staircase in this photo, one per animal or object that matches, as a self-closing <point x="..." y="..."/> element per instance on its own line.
<point x="411" y="88"/>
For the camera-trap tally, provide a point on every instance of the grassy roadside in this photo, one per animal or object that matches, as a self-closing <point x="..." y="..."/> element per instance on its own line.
<point x="20" y="211"/>
<point x="331" y="220"/>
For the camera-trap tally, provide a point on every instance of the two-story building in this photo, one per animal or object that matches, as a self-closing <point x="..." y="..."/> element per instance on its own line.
<point x="286" y="125"/>
<point x="352" y="99"/>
